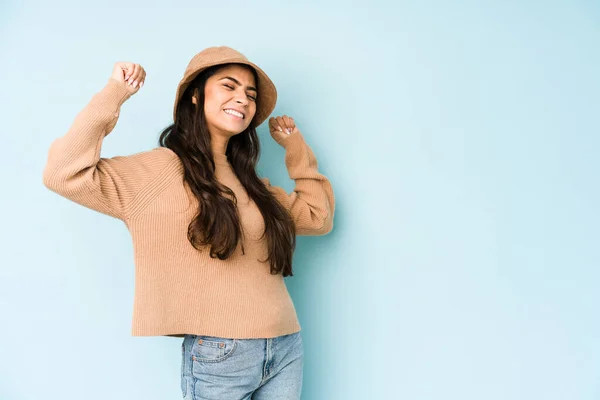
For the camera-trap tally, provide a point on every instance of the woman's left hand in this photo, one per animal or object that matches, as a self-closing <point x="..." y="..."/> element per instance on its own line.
<point x="281" y="127"/>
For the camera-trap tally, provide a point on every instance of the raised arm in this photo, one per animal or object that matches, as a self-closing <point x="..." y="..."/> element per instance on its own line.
<point x="74" y="168"/>
<point x="312" y="202"/>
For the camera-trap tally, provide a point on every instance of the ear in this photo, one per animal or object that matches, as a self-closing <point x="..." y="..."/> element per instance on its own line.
<point x="195" y="96"/>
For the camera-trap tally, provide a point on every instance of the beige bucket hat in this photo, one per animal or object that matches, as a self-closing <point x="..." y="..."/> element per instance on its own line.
<point x="267" y="94"/>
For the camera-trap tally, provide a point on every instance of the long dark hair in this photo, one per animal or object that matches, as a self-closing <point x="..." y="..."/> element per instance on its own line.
<point x="217" y="221"/>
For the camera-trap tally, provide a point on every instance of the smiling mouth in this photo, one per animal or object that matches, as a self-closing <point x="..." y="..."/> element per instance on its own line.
<point x="234" y="113"/>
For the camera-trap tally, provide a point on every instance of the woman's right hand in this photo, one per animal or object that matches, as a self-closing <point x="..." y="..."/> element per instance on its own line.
<point x="133" y="75"/>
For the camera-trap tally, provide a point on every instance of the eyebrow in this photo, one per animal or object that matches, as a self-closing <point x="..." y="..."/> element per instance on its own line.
<point x="238" y="82"/>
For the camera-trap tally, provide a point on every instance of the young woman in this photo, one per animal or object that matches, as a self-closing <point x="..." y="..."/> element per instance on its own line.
<point x="212" y="241"/>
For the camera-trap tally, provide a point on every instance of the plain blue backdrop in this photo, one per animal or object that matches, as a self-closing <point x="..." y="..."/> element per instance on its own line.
<point x="461" y="139"/>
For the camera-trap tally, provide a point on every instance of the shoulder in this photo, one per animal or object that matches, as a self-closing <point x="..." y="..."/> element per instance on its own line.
<point x="157" y="154"/>
<point x="149" y="161"/>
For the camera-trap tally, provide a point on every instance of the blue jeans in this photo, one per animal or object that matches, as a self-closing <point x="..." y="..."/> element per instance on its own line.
<point x="214" y="368"/>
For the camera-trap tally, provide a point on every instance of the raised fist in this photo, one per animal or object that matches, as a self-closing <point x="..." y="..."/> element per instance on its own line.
<point x="133" y="75"/>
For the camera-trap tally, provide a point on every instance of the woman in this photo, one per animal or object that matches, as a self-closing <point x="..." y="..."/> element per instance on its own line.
<point x="212" y="241"/>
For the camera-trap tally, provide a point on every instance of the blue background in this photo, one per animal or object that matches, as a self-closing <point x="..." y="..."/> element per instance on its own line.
<point x="462" y="143"/>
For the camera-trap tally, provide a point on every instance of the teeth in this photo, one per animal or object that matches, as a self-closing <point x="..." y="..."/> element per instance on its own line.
<point x="232" y="112"/>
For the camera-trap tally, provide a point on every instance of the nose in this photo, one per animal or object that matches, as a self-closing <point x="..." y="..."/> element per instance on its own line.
<point x="241" y="98"/>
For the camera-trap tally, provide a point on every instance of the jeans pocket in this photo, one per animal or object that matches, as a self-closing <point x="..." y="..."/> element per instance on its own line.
<point x="212" y="349"/>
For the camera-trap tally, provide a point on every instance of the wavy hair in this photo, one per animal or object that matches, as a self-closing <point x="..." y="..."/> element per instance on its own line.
<point x="217" y="221"/>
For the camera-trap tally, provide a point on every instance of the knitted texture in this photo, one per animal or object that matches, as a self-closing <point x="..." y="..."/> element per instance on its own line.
<point x="178" y="289"/>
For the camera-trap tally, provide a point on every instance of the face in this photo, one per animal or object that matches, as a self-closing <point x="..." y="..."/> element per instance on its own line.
<point x="230" y="100"/>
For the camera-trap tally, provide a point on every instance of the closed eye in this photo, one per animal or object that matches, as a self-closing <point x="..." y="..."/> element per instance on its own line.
<point x="253" y="98"/>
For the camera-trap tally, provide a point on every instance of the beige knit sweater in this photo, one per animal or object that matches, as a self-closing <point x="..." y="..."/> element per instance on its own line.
<point x="178" y="289"/>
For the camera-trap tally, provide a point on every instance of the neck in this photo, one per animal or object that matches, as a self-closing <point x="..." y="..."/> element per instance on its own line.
<point x="219" y="147"/>
<point x="220" y="159"/>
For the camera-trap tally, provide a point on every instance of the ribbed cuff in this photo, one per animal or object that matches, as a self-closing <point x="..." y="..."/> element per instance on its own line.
<point x="293" y="139"/>
<point x="114" y="94"/>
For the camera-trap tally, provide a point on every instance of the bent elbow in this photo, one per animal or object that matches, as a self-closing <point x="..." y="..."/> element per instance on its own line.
<point x="327" y="225"/>
<point x="50" y="180"/>
<point x="64" y="183"/>
<point x="318" y="227"/>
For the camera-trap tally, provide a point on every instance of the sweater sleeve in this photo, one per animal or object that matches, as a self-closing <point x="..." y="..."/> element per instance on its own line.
<point x="312" y="202"/>
<point x="75" y="170"/>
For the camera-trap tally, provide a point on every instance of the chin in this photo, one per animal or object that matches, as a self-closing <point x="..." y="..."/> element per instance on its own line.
<point x="234" y="130"/>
